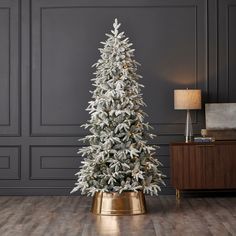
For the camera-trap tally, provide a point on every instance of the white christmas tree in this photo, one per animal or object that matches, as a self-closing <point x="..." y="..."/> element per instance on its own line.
<point x="118" y="157"/>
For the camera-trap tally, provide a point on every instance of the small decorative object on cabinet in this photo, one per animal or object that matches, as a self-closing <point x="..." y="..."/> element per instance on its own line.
<point x="204" y="133"/>
<point x="203" y="166"/>
<point x="120" y="165"/>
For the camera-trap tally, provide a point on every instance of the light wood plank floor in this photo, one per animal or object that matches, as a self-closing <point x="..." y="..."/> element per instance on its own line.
<point x="70" y="216"/>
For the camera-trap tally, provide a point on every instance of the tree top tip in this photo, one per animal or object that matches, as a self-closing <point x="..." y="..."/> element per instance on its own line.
<point x="116" y="25"/>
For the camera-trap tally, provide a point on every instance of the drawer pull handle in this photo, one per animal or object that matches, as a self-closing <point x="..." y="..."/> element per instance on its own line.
<point x="205" y="145"/>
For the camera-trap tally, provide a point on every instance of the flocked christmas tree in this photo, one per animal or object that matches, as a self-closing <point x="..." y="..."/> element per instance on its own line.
<point x="118" y="157"/>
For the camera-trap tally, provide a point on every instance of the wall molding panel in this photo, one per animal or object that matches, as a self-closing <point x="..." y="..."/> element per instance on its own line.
<point x="48" y="17"/>
<point x="9" y="68"/>
<point x="227" y="50"/>
<point x="54" y="162"/>
<point x="10" y="163"/>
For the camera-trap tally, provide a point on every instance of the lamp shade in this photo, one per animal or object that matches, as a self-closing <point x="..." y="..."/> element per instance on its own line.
<point x="187" y="99"/>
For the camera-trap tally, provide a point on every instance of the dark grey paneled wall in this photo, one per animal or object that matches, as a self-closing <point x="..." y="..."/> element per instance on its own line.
<point x="47" y="48"/>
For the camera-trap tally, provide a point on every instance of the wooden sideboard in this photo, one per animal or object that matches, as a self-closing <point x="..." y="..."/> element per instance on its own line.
<point x="203" y="166"/>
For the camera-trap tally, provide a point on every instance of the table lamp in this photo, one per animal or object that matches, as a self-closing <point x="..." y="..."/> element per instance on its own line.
<point x="187" y="99"/>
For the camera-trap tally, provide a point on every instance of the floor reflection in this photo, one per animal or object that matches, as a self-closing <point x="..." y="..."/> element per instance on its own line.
<point x="107" y="224"/>
<point x="116" y="225"/>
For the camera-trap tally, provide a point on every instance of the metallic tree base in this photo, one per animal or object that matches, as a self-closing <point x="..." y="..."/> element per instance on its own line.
<point x="126" y="203"/>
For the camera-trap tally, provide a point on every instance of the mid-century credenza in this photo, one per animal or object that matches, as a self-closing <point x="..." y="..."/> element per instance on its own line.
<point x="203" y="166"/>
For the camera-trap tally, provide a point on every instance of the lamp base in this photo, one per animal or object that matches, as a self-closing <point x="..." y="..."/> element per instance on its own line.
<point x="188" y="139"/>
<point x="188" y="128"/>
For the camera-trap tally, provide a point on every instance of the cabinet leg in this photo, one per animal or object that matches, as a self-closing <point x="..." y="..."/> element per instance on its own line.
<point x="177" y="193"/>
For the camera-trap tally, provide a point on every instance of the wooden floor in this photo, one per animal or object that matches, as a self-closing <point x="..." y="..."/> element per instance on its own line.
<point x="67" y="216"/>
